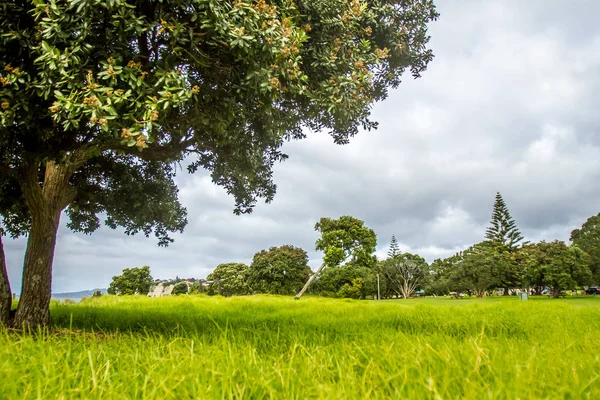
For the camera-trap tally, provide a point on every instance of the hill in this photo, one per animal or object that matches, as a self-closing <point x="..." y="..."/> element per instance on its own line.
<point x="77" y="295"/>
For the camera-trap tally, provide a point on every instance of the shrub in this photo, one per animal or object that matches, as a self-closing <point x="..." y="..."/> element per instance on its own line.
<point x="352" y="291"/>
<point x="180" y="288"/>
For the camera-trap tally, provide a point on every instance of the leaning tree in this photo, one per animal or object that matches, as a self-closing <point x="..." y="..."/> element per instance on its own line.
<point x="343" y="240"/>
<point x="99" y="99"/>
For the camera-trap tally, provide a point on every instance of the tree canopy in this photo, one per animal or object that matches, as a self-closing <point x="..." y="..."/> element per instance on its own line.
<point x="99" y="99"/>
<point x="230" y="279"/>
<point x="405" y="273"/>
<point x="180" y="288"/>
<point x="346" y="239"/>
<point x="132" y="281"/>
<point x="349" y="248"/>
<point x="556" y="265"/>
<point x="478" y="268"/>
<point x="279" y="270"/>
<point x="587" y="238"/>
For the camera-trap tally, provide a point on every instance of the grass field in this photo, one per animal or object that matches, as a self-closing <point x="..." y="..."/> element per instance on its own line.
<point x="274" y="347"/>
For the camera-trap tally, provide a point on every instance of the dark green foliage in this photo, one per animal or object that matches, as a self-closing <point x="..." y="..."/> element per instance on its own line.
<point x="394" y="248"/>
<point x="503" y="228"/>
<point x="477" y="268"/>
<point x="349" y="248"/>
<point x="195" y="288"/>
<point x="436" y="280"/>
<point x="556" y="265"/>
<point x="588" y="239"/>
<point x="131" y="281"/>
<point x="97" y="293"/>
<point x="279" y="270"/>
<point x="352" y="290"/>
<point x="180" y="288"/>
<point x="230" y="279"/>
<point x="342" y="281"/>
<point x="331" y="280"/>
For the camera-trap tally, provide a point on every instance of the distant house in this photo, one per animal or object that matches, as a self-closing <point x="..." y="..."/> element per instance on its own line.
<point x="166" y="288"/>
<point x="161" y="290"/>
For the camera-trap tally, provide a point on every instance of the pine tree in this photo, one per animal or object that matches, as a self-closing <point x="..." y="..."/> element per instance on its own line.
<point x="394" y="248"/>
<point x="503" y="229"/>
<point x="504" y="233"/>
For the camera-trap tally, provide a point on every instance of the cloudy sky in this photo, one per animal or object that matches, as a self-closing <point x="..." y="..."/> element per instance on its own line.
<point x="509" y="104"/>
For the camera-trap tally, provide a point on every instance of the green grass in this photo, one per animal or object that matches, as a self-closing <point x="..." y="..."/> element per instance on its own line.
<point x="274" y="347"/>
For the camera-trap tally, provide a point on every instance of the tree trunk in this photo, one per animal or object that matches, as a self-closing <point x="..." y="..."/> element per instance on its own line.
<point x="5" y="292"/>
<point x="45" y="204"/>
<point x="34" y="303"/>
<point x="505" y="291"/>
<point x="312" y="277"/>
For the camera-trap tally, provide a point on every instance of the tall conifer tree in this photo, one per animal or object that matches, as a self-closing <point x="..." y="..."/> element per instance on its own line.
<point x="394" y="248"/>
<point x="503" y="229"/>
<point x="504" y="233"/>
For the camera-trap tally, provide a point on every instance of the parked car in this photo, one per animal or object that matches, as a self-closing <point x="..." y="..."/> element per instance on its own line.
<point x="592" y="290"/>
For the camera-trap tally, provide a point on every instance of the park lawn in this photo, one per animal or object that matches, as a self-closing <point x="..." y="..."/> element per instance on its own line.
<point x="273" y="347"/>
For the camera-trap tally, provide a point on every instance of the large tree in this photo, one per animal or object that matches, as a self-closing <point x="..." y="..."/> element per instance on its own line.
<point x="99" y="99"/>
<point x="279" y="270"/>
<point x="556" y="265"/>
<point x="14" y="221"/>
<point x="588" y="239"/>
<point x="503" y="232"/>
<point x="405" y="273"/>
<point x="477" y="268"/>
<point x="335" y="281"/>
<point x="346" y="241"/>
<point x="230" y="279"/>
<point x="131" y="281"/>
<point x="437" y="282"/>
<point x="503" y="228"/>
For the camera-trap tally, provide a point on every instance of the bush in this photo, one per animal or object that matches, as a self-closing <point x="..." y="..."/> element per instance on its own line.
<point x="97" y="293"/>
<point x="180" y="288"/>
<point x="195" y="288"/>
<point x="353" y="291"/>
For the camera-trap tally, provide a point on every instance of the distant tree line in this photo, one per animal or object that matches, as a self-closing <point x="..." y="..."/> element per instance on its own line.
<point x="504" y="261"/>
<point x="350" y="269"/>
<point x="278" y="270"/>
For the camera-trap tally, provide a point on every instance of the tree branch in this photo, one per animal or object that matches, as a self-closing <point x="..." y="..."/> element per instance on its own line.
<point x="166" y="152"/>
<point x="143" y="47"/>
